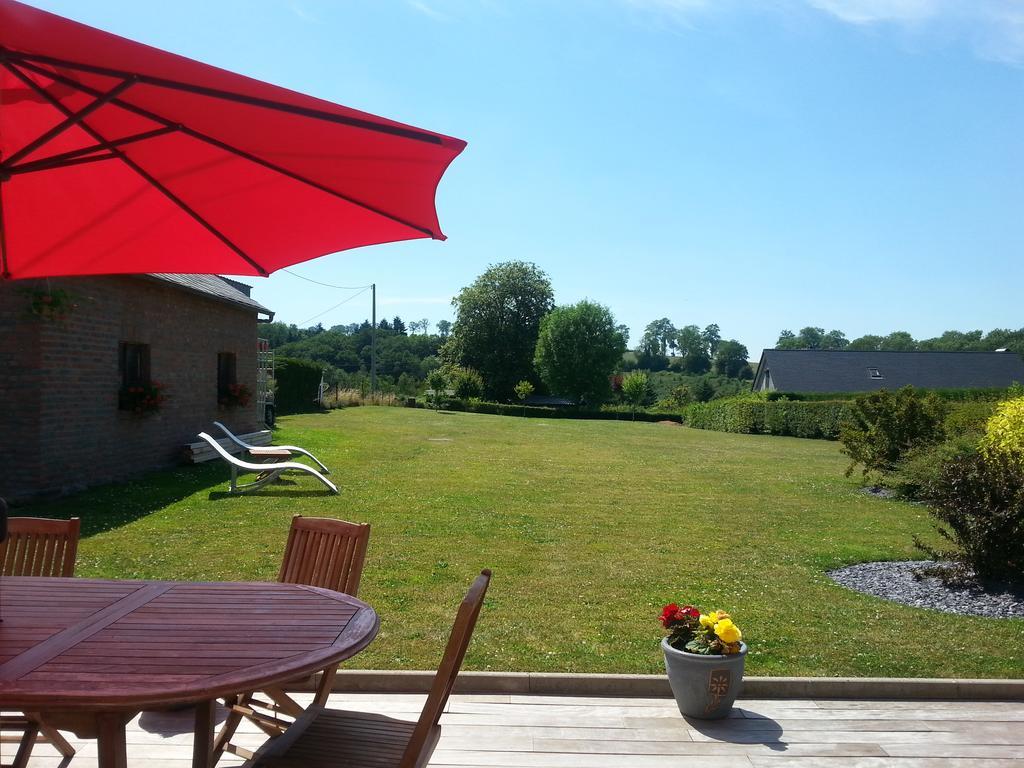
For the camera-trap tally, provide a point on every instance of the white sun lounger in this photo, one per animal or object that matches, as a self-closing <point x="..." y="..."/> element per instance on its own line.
<point x="265" y="473"/>
<point x="257" y="450"/>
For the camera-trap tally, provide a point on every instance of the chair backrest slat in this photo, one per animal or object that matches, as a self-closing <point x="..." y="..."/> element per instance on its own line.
<point x="325" y="553"/>
<point x="39" y="547"/>
<point x="444" y="680"/>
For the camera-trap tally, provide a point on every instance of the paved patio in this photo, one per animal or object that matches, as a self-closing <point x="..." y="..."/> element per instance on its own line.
<point x="562" y="731"/>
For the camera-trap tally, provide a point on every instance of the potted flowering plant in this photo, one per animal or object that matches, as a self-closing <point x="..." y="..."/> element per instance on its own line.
<point x="143" y="398"/>
<point x="53" y="304"/>
<point x="235" y="396"/>
<point x="704" y="655"/>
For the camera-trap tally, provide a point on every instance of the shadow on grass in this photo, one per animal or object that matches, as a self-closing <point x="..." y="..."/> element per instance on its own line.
<point x="110" y="506"/>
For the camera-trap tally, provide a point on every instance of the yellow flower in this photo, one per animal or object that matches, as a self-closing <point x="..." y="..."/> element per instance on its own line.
<point x="707" y="620"/>
<point x="727" y="631"/>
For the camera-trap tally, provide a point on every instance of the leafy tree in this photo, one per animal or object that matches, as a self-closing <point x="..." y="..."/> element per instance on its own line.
<point x="651" y="361"/>
<point x="636" y="389"/>
<point x="712" y="337"/>
<point x="578" y="348"/>
<point x="812" y="337"/>
<point x="437" y="384"/>
<point x="731" y="359"/>
<point x="498" y="320"/>
<point x="523" y="390"/>
<point x="465" y="382"/>
<point x="898" y="341"/>
<point x="659" y="337"/>
<point x="867" y="343"/>
<point x="693" y="348"/>
<point x="384" y="325"/>
<point x="444" y="327"/>
<point x="398" y="326"/>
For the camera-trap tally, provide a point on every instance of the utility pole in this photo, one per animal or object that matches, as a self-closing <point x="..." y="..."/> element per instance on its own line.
<point x="373" y="342"/>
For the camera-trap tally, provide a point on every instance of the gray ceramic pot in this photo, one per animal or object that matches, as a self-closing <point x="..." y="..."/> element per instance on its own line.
<point x="704" y="686"/>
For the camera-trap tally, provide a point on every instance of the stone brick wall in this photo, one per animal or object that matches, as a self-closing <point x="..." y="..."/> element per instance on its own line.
<point x="60" y="426"/>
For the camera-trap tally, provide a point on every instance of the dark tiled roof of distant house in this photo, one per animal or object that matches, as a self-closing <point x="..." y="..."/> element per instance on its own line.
<point x="216" y="287"/>
<point x="819" y="370"/>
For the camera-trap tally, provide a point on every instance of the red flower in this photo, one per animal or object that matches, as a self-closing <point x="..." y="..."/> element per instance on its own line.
<point x="668" y="614"/>
<point x="690" y="612"/>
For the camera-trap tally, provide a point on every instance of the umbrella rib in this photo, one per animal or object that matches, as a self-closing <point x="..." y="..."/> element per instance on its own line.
<point x="155" y="183"/>
<point x="255" y="101"/>
<point x="71" y="120"/>
<point x="198" y="135"/>
<point x="85" y="154"/>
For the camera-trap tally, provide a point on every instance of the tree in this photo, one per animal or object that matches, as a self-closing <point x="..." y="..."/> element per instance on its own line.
<point x="465" y="382"/>
<point x="523" y="390"/>
<point x="424" y="326"/>
<point x="866" y="343"/>
<point x="704" y="391"/>
<point x="497" y="323"/>
<point x="835" y="340"/>
<point x="398" y="326"/>
<point x="636" y="388"/>
<point x="659" y="337"/>
<point x="578" y="348"/>
<point x="692" y="344"/>
<point x="444" y="327"/>
<point x="437" y="384"/>
<point x="898" y="341"/>
<point x="731" y="359"/>
<point x="812" y="337"/>
<point x="712" y="337"/>
<point x="384" y="325"/>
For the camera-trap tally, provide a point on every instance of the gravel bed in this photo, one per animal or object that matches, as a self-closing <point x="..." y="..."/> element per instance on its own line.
<point x="896" y="582"/>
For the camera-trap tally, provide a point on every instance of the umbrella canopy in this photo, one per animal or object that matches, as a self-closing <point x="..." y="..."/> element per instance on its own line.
<point x="116" y="157"/>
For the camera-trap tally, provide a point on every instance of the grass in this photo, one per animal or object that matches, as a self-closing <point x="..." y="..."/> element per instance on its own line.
<point x="589" y="526"/>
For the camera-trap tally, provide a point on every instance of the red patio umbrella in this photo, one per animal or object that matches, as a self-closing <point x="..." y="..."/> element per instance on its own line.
<point x="116" y="157"/>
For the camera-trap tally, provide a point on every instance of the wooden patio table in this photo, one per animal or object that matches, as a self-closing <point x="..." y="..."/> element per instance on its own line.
<point x="90" y="654"/>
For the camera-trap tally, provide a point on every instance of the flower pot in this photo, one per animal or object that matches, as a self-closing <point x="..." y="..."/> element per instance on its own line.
<point x="704" y="686"/>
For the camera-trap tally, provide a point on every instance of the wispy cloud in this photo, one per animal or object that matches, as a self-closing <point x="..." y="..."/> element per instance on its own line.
<point x="994" y="29"/>
<point x="302" y="12"/>
<point x="427" y="10"/>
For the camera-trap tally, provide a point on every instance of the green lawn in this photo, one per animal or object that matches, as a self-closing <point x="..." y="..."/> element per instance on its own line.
<point x="589" y="527"/>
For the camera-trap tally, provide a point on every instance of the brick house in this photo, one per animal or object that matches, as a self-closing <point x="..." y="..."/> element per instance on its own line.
<point x="63" y="422"/>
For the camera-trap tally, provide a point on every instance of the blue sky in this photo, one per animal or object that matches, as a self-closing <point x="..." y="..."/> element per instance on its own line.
<point x="851" y="164"/>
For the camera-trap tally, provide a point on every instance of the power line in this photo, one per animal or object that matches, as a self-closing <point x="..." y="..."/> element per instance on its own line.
<point x="327" y="285"/>
<point x="331" y="309"/>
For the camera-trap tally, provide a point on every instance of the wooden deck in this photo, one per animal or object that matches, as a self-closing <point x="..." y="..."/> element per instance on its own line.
<point x="563" y="732"/>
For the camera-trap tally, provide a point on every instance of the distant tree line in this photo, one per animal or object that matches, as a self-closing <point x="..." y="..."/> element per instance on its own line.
<point x="901" y="341"/>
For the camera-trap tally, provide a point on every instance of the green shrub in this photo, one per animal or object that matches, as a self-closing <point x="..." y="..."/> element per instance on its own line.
<point x="979" y="504"/>
<point x="881" y="427"/>
<point x="298" y="383"/>
<point x="465" y="383"/>
<point x="968" y="418"/>
<point x="1004" y="431"/>
<point x="921" y="468"/>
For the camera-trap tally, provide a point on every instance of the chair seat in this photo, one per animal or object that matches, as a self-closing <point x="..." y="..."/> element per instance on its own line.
<point x="340" y="739"/>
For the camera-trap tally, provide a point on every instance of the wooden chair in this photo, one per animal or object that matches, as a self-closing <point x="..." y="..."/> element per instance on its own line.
<point x="320" y="552"/>
<point x="35" y="547"/>
<point x="39" y="547"/>
<point x="326" y="738"/>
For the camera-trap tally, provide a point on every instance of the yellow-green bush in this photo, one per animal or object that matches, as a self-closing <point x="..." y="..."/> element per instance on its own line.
<point x="1004" y="432"/>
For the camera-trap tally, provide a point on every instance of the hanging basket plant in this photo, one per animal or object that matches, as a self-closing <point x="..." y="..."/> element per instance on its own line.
<point x="143" y="398"/>
<point x="53" y="304"/>
<point x="235" y="396"/>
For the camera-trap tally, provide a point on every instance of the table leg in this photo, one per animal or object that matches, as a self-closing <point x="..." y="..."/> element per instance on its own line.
<point x="111" y="740"/>
<point x="202" y="744"/>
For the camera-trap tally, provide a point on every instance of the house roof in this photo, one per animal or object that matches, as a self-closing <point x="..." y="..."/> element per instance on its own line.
<point x="216" y="287"/>
<point x="827" y="370"/>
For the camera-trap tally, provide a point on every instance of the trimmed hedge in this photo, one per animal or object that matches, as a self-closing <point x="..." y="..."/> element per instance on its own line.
<point x="962" y="395"/>
<point x="607" y="413"/>
<point x="298" y="382"/>
<point x="753" y="416"/>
